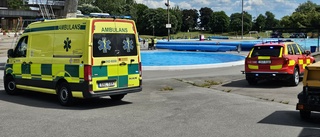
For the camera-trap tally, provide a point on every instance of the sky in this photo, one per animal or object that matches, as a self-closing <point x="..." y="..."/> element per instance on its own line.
<point x="279" y="8"/>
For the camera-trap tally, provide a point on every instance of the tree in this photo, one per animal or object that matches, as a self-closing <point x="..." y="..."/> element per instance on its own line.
<point x="307" y="7"/>
<point x="86" y="9"/>
<point x="110" y="6"/>
<point x="299" y="20"/>
<point x="86" y="2"/>
<point x="259" y="23"/>
<point x="219" y="22"/>
<point x="176" y="11"/>
<point x="236" y="22"/>
<point x="285" y="21"/>
<point x="187" y="20"/>
<point x="205" y="16"/>
<point x="271" y="22"/>
<point x="314" y="18"/>
<point x="16" y="4"/>
<point x="247" y="21"/>
<point x="140" y="22"/>
<point x="155" y="19"/>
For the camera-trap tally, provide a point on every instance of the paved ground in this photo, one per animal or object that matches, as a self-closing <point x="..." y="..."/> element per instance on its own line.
<point x="199" y="102"/>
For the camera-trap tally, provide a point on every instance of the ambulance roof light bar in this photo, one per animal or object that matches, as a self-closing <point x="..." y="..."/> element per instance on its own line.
<point x="107" y="15"/>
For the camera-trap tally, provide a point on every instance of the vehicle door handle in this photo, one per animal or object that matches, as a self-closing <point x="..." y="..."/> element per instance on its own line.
<point x="117" y="52"/>
<point x="103" y="61"/>
<point x="131" y="60"/>
<point x="123" y="63"/>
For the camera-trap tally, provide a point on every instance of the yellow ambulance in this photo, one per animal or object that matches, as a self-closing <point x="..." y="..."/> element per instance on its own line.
<point x="76" y="58"/>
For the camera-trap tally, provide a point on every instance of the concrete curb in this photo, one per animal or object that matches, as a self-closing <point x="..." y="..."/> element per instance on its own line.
<point x="187" y="67"/>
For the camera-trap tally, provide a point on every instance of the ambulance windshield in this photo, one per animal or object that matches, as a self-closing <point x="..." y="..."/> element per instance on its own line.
<point x="106" y="45"/>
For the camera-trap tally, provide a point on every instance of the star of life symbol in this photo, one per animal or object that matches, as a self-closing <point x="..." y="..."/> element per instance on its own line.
<point x="104" y="45"/>
<point x="67" y="43"/>
<point x="128" y="44"/>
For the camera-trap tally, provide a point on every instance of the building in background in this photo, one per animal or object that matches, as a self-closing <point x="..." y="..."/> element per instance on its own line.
<point x="12" y="19"/>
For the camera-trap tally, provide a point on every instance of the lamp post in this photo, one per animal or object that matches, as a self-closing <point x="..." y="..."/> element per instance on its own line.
<point x="168" y="26"/>
<point x="242" y="22"/>
<point x="153" y="30"/>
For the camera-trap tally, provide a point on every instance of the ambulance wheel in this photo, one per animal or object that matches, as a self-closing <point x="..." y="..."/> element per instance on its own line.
<point x="295" y="78"/>
<point x="304" y="114"/>
<point x="64" y="94"/>
<point x="10" y="86"/>
<point x="117" y="97"/>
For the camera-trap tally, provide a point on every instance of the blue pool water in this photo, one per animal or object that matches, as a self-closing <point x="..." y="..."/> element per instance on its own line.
<point x="218" y="46"/>
<point x="173" y="58"/>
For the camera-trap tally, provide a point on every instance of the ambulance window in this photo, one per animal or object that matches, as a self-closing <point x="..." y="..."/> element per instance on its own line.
<point x="296" y="50"/>
<point x="289" y="48"/>
<point x="301" y="48"/>
<point x="106" y="45"/>
<point x="21" y="48"/>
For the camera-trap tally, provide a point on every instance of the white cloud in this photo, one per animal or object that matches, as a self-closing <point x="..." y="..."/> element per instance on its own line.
<point x="200" y="2"/>
<point x="155" y="3"/>
<point x="281" y="1"/>
<point x="185" y="5"/>
<point x="256" y="2"/>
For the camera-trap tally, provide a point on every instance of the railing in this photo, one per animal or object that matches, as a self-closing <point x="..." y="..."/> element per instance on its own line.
<point x="17" y="13"/>
<point x="47" y="2"/>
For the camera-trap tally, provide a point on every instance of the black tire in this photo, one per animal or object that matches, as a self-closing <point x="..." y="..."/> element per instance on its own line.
<point x="64" y="94"/>
<point x="295" y="78"/>
<point x="10" y="86"/>
<point x="304" y="114"/>
<point x="117" y="97"/>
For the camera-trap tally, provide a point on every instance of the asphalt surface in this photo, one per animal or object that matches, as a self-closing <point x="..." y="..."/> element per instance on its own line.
<point x="172" y="103"/>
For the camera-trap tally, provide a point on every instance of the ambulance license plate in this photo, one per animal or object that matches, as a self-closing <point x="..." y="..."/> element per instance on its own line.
<point x="264" y="61"/>
<point x="106" y="84"/>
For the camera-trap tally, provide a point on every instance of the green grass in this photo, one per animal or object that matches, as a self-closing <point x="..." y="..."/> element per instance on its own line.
<point x="166" y="88"/>
<point x="195" y="35"/>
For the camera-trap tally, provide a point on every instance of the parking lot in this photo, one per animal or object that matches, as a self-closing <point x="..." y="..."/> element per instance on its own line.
<point x="197" y="102"/>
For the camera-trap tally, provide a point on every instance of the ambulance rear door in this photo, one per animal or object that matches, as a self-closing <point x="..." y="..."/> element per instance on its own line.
<point x="115" y="55"/>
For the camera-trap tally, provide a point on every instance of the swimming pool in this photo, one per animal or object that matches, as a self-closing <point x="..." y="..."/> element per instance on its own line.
<point x="218" y="45"/>
<point x="187" y="60"/>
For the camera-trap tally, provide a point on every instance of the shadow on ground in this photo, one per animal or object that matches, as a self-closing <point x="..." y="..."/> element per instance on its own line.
<point x="310" y="127"/>
<point x="36" y="99"/>
<point x="242" y="83"/>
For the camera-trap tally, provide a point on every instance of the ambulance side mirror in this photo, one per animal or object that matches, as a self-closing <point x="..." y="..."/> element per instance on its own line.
<point x="10" y="53"/>
<point x="307" y="52"/>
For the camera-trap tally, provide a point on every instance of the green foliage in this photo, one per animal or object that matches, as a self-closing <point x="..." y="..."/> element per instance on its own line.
<point x="155" y="20"/>
<point x="189" y="19"/>
<point x="271" y="22"/>
<point x="314" y="18"/>
<point x="88" y="8"/>
<point x="259" y="23"/>
<point x="17" y="5"/>
<point x="205" y="16"/>
<point x="236" y="22"/>
<point x="219" y="22"/>
<point x="177" y="12"/>
<point x="80" y="2"/>
<point x="140" y="22"/>
<point x="307" y="7"/>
